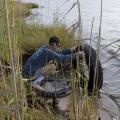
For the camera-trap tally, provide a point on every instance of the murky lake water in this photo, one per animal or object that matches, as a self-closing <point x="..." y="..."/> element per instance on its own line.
<point x="49" y="9"/>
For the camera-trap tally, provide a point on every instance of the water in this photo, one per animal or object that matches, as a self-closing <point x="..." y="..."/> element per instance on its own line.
<point x="89" y="9"/>
<point x="49" y="10"/>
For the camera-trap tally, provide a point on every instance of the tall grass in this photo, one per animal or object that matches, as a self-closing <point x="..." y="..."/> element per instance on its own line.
<point x="84" y="107"/>
<point x="35" y="36"/>
<point x="17" y="38"/>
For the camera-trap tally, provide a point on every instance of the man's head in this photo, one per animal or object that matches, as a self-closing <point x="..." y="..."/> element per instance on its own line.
<point x="54" y="43"/>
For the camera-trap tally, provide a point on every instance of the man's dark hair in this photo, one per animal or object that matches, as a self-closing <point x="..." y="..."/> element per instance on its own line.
<point x="54" y="39"/>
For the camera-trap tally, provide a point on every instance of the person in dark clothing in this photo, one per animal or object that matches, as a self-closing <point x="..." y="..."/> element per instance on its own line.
<point x="41" y="59"/>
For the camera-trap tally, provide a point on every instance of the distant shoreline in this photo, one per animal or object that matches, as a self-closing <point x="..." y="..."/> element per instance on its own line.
<point x="23" y="9"/>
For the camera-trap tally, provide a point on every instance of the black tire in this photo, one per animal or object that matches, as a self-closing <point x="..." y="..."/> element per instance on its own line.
<point x="95" y="79"/>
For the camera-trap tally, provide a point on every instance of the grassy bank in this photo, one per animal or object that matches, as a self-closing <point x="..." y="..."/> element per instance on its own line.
<point x="35" y="36"/>
<point x="16" y="13"/>
<point x="21" y="9"/>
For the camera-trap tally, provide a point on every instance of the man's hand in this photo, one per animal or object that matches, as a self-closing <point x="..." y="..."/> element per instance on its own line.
<point x="81" y="54"/>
